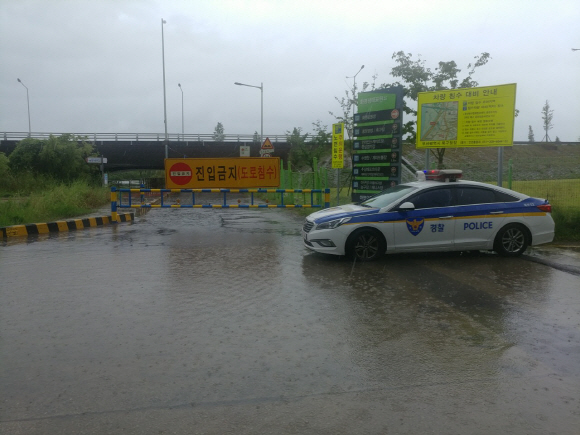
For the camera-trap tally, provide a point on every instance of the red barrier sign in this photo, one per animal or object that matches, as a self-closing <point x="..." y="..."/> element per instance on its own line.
<point x="230" y="173"/>
<point x="180" y="173"/>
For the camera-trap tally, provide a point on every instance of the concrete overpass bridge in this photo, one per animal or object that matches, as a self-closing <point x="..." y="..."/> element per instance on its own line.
<point x="127" y="151"/>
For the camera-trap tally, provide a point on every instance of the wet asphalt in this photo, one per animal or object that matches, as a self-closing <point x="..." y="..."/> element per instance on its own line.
<point x="210" y="321"/>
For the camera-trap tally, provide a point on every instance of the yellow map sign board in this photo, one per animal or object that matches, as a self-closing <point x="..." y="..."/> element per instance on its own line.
<point x="467" y="117"/>
<point x="232" y="173"/>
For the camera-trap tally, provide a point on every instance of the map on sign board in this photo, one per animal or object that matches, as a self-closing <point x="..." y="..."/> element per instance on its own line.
<point x="439" y="121"/>
<point x="466" y="117"/>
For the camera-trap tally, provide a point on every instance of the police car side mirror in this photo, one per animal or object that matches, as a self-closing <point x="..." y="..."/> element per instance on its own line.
<point x="407" y="206"/>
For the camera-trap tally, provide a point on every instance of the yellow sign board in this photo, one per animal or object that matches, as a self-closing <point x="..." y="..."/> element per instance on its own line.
<point x="231" y="173"/>
<point x="338" y="146"/>
<point x="467" y="117"/>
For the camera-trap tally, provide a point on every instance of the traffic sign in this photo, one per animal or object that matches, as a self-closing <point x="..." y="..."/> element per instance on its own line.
<point x="377" y="144"/>
<point x="267" y="145"/>
<point x="378" y="170"/>
<point x="96" y="160"/>
<point x="376" y="157"/>
<point x="379" y="115"/>
<point x="377" y="130"/>
<point x="180" y="173"/>
<point x="244" y="151"/>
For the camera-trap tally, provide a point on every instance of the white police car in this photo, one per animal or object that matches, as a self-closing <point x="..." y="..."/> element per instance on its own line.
<point x="438" y="212"/>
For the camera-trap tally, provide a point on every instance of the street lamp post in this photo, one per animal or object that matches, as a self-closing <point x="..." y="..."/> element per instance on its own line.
<point x="182" y="129"/>
<point x="354" y="96"/>
<point x="164" y="93"/>
<point x="261" y="88"/>
<point x="27" y="103"/>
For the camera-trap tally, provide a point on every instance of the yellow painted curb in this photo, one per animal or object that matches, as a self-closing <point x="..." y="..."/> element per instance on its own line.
<point x="60" y="226"/>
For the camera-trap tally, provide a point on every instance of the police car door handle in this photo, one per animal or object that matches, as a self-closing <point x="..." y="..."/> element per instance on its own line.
<point x="446" y="217"/>
<point x="495" y="212"/>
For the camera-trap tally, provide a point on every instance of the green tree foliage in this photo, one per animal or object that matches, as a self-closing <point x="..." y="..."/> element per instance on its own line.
<point x="547" y="115"/>
<point x="218" y="133"/>
<point x="5" y="175"/>
<point x="531" y="135"/>
<point x="348" y="104"/>
<point x="297" y="142"/>
<point x="304" y="148"/>
<point x="416" y="77"/>
<point x="61" y="158"/>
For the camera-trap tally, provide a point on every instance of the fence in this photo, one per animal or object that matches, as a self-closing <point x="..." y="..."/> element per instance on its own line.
<point x="143" y="198"/>
<point x="550" y="171"/>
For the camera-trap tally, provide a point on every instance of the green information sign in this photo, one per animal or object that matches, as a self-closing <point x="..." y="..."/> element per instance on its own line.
<point x="377" y="133"/>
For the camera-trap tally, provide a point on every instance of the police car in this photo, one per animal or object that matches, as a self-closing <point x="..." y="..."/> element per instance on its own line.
<point x="438" y="212"/>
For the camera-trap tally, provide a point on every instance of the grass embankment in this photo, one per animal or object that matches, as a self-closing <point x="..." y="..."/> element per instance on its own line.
<point x="52" y="202"/>
<point x="564" y="195"/>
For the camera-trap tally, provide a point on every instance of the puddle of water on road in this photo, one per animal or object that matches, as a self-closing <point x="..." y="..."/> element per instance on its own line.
<point x="205" y="307"/>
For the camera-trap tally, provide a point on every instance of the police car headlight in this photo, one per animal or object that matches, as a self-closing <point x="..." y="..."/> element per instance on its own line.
<point x="332" y="224"/>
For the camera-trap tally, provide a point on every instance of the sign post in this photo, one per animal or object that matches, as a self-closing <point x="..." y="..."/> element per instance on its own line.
<point x="101" y="161"/>
<point x="376" y="161"/>
<point x="267" y="148"/>
<point x="338" y="154"/>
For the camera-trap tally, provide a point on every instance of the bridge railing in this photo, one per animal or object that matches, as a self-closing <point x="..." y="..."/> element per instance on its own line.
<point x="161" y="200"/>
<point x="150" y="137"/>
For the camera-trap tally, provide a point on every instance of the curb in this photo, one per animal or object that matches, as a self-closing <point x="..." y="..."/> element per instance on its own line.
<point x="61" y="226"/>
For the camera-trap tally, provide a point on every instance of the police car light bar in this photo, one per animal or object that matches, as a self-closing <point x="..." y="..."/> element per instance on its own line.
<point x="440" y="175"/>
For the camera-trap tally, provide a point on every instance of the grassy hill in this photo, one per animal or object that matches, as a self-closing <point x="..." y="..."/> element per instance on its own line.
<point x="529" y="162"/>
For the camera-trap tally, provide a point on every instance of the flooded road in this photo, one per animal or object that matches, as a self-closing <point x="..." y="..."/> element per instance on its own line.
<point x="216" y="321"/>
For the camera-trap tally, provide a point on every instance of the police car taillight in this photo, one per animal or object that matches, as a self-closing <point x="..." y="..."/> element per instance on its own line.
<point x="441" y="175"/>
<point x="547" y="208"/>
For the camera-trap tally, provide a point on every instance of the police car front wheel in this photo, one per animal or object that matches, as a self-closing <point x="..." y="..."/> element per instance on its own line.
<point x="511" y="241"/>
<point x="366" y="245"/>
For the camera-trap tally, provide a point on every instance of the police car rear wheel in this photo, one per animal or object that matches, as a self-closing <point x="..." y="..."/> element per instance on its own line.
<point x="511" y="241"/>
<point x="366" y="245"/>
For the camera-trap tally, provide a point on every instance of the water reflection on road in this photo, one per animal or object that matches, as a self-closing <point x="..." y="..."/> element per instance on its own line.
<point x="220" y="319"/>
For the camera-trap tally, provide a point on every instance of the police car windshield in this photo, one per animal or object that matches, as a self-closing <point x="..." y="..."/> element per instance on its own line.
<point x="388" y="196"/>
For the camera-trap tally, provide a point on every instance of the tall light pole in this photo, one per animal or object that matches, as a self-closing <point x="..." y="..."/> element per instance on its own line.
<point x="261" y="88"/>
<point x="353" y="97"/>
<point x="28" y="104"/>
<point x="164" y="93"/>
<point x="182" y="130"/>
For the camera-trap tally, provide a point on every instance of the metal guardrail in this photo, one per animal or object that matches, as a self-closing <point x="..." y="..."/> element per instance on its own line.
<point x="157" y="137"/>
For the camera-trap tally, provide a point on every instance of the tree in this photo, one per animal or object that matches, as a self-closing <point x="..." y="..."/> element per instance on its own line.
<point x="304" y="151"/>
<point x="62" y="158"/>
<point x="5" y="176"/>
<point x="348" y="102"/>
<point x="416" y="77"/>
<point x="256" y="138"/>
<point x="218" y="133"/>
<point x="296" y="140"/>
<point x="531" y="135"/>
<point x="547" y="116"/>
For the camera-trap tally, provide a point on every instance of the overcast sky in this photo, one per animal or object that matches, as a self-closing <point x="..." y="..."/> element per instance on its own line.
<point x="96" y="66"/>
